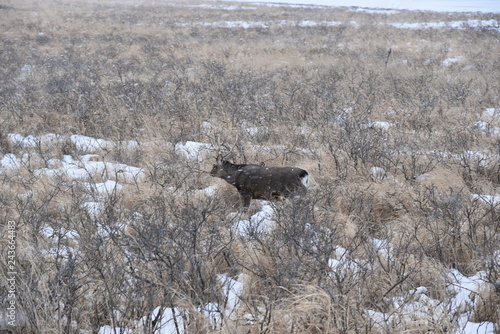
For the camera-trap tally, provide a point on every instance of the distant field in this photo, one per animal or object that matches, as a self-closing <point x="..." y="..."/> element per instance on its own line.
<point x="112" y="113"/>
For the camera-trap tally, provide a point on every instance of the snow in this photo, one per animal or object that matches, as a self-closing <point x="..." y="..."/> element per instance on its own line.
<point x="491" y="24"/>
<point x="27" y="69"/>
<point x="260" y="222"/>
<point x="491" y="112"/>
<point x="104" y="188"/>
<point x="193" y="150"/>
<point x="218" y="7"/>
<point x="252" y="131"/>
<point x="382" y="247"/>
<point x="466" y="289"/>
<point x="345" y="267"/>
<point x="378" y="173"/>
<point x="233" y="290"/>
<point x="209" y="191"/>
<point x="93" y="208"/>
<point x="59" y="252"/>
<point x="422" y="311"/>
<point x="101" y="179"/>
<point x="309" y="23"/>
<point x="168" y="321"/>
<point x="236" y="24"/>
<point x="85" y="168"/>
<point x="476" y="328"/>
<point x="49" y="232"/>
<point x="114" y="330"/>
<point x="451" y="61"/>
<point x="381" y="125"/>
<point x="10" y="161"/>
<point x="417" y="307"/>
<point x="18" y="140"/>
<point x="88" y="144"/>
<point x="485" y="6"/>
<point x="413" y="306"/>
<point x="490" y="199"/>
<point x="488" y="24"/>
<point x="74" y="168"/>
<point x="489" y="122"/>
<point x="260" y="24"/>
<point x="375" y="11"/>
<point x="82" y="143"/>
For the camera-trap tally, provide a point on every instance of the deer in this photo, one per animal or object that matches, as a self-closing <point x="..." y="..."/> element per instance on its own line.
<point x="260" y="182"/>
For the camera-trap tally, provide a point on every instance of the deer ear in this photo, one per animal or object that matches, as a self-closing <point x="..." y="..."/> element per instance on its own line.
<point x="219" y="159"/>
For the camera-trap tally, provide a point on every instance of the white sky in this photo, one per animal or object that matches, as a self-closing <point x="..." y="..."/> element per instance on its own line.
<point x="435" y="5"/>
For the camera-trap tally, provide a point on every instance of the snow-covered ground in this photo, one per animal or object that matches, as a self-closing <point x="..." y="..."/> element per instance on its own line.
<point x="366" y="6"/>
<point x="414" y="305"/>
<point x="457" y="309"/>
<point x="488" y="24"/>
<point x="485" y="6"/>
<point x="113" y="176"/>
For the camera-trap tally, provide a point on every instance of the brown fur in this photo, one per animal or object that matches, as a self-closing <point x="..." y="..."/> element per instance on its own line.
<point x="260" y="182"/>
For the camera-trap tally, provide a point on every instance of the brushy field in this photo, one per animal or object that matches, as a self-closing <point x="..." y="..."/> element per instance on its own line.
<point x="112" y="112"/>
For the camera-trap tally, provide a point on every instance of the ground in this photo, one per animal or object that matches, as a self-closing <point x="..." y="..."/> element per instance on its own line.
<point x="112" y="114"/>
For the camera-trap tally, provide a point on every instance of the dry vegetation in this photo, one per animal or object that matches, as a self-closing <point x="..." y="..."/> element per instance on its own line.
<point x="398" y="143"/>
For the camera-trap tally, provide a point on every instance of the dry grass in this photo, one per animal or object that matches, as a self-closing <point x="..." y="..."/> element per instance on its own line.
<point x="398" y="147"/>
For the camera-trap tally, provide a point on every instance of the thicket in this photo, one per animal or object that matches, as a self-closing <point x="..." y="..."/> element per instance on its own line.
<point x="398" y="128"/>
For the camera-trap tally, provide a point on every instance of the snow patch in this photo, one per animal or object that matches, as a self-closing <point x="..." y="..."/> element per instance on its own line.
<point x="382" y="247"/>
<point x="93" y="208"/>
<point x="233" y="290"/>
<point x="21" y="141"/>
<point x="491" y="113"/>
<point x="381" y="125"/>
<point x="10" y="161"/>
<point x="490" y="199"/>
<point x="487" y="6"/>
<point x="61" y="232"/>
<point x="104" y="188"/>
<point x="89" y="144"/>
<point x="88" y="167"/>
<point x="417" y="307"/>
<point x="114" y="330"/>
<point x="487" y="24"/>
<point x="193" y="150"/>
<point x="260" y="222"/>
<point x="378" y="173"/>
<point x="451" y="61"/>
<point x="209" y="191"/>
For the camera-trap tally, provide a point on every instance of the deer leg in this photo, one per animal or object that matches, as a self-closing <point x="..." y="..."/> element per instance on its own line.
<point x="246" y="200"/>
<point x="297" y="196"/>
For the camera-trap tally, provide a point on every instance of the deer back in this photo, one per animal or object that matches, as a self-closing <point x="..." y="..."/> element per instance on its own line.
<point x="261" y="182"/>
